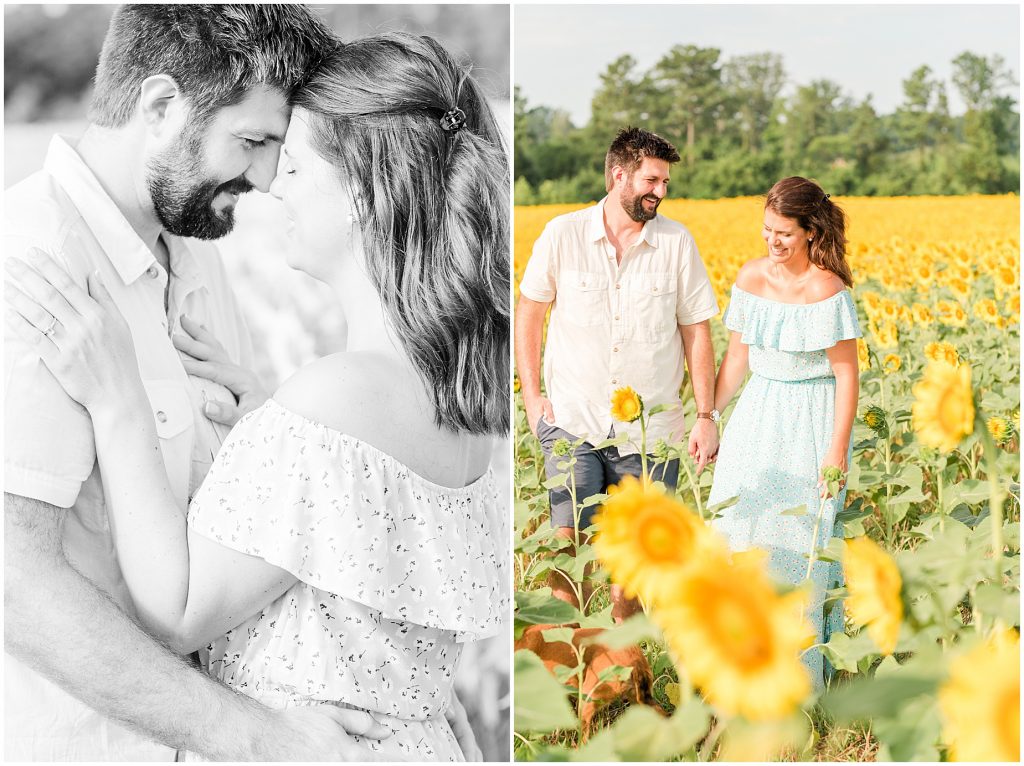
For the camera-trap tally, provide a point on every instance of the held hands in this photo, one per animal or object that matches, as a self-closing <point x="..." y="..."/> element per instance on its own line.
<point x="204" y="357"/>
<point x="703" y="445"/>
<point x="457" y="718"/>
<point x="81" y="336"/>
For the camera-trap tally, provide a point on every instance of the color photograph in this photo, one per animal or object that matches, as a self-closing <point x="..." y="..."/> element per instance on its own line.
<point x="767" y="386"/>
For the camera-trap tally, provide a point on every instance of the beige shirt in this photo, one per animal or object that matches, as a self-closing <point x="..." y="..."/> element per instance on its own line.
<point x="615" y="324"/>
<point x="49" y="452"/>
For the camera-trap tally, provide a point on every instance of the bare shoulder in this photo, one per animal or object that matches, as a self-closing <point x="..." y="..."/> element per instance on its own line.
<point x="750" y="277"/>
<point x="823" y="286"/>
<point x="344" y="391"/>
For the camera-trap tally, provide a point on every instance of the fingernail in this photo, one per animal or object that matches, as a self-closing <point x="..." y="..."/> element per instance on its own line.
<point x="211" y="409"/>
<point x="14" y="265"/>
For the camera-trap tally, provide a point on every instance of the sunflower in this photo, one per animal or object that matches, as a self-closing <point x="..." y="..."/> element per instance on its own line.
<point x="891" y="363"/>
<point x="922" y="314"/>
<point x="1001" y="428"/>
<point x="885" y="336"/>
<point x="737" y="638"/>
<point x="627" y="405"/>
<point x="951" y="313"/>
<point x="941" y="351"/>
<point x="987" y="311"/>
<point x="647" y="537"/>
<point x="863" y="354"/>
<point x="873" y="584"/>
<point x="943" y="410"/>
<point x="980" y="702"/>
<point x="961" y="288"/>
<point x="1013" y="307"/>
<point x="1005" y="279"/>
<point x="875" y="419"/>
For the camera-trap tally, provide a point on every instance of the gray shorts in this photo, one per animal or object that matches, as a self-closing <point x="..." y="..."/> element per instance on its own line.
<point x="595" y="471"/>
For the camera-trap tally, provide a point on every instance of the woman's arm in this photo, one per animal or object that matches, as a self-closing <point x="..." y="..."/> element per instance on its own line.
<point x="185" y="588"/>
<point x="732" y="372"/>
<point x="843" y="358"/>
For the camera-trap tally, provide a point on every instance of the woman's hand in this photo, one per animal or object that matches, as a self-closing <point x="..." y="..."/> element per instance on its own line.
<point x="206" y="358"/>
<point x="835" y="459"/>
<point x="457" y="718"/>
<point x="81" y="336"/>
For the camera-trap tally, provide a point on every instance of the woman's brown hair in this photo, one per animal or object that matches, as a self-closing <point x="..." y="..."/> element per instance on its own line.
<point x="803" y="201"/>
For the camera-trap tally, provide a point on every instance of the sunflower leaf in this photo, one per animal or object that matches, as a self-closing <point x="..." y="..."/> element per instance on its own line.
<point x="540" y="701"/>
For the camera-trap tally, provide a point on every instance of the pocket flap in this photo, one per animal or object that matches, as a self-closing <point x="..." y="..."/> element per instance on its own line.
<point x="655" y="284"/>
<point x="586" y="280"/>
<point x="172" y="410"/>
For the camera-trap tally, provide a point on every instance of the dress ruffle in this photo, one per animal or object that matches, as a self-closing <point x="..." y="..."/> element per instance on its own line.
<point x="351" y="520"/>
<point x="792" y="327"/>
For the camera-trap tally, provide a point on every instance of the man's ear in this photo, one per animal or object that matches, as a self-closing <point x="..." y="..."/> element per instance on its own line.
<point x="159" y="99"/>
<point x="618" y="173"/>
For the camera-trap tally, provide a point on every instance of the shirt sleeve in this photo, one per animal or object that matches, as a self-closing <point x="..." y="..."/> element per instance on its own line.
<point x="538" y="282"/>
<point x="696" y="298"/>
<point x="49" y="449"/>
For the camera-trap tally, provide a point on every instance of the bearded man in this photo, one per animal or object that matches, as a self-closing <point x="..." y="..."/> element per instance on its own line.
<point x="630" y="300"/>
<point x="190" y="108"/>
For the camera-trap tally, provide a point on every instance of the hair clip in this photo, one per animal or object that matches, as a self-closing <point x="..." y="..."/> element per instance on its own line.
<point x="453" y="120"/>
<point x="827" y="196"/>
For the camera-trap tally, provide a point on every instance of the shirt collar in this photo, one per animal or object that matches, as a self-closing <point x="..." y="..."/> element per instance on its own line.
<point x="120" y="242"/>
<point x="597" y="231"/>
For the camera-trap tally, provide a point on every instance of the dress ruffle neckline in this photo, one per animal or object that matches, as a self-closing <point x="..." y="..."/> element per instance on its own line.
<point x="794" y="327"/>
<point x="349" y="519"/>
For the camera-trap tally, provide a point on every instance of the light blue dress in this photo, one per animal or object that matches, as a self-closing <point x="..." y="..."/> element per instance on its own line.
<point x="776" y="439"/>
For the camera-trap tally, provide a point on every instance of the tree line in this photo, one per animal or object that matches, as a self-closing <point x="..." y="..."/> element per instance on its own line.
<point x="737" y="134"/>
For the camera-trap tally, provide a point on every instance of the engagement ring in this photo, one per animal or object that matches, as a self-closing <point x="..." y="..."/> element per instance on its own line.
<point x="49" y="331"/>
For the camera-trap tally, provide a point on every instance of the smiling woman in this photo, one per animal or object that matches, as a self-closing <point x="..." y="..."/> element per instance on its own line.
<point x="284" y="547"/>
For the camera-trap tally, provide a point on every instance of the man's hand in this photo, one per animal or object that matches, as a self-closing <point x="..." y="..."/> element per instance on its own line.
<point x="459" y="721"/>
<point x="322" y="733"/>
<point x="536" y="406"/>
<point x="703" y="446"/>
<point x="206" y="358"/>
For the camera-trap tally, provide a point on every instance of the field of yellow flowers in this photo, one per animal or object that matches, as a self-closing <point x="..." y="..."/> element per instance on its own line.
<point x="929" y="664"/>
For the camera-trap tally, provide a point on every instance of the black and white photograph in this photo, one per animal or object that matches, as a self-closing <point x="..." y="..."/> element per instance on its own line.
<point x="257" y="463"/>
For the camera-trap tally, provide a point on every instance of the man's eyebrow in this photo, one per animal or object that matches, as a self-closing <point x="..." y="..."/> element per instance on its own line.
<point x="263" y="135"/>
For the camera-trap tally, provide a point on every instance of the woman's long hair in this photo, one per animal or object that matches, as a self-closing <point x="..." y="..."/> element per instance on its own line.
<point x="806" y="203"/>
<point x="432" y="208"/>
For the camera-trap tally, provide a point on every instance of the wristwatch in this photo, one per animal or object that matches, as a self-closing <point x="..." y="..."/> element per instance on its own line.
<point x="714" y="415"/>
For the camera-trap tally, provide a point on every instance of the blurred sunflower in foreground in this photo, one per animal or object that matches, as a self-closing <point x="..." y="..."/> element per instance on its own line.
<point x="980" y="702"/>
<point x="943" y="410"/>
<point x="873" y="585"/>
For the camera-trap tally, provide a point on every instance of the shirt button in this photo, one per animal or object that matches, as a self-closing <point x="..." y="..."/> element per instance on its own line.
<point x="161" y="416"/>
<point x="616" y="317"/>
<point x="615" y="382"/>
<point x="616" y="287"/>
<point x="152" y="273"/>
<point x="655" y="289"/>
<point x="615" y="350"/>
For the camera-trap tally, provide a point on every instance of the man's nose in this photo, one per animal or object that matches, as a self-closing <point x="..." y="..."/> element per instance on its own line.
<point x="262" y="171"/>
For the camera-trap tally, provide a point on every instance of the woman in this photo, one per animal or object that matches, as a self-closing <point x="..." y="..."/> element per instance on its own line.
<point x="348" y="537"/>
<point x="794" y="327"/>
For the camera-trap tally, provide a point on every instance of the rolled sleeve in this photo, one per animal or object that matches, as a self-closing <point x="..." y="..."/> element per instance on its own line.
<point x="538" y="282"/>
<point x="696" y="298"/>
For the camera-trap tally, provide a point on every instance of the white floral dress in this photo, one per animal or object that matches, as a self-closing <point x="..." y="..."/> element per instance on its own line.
<point x="395" y="572"/>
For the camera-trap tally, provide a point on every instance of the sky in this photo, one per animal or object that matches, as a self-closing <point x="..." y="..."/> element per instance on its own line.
<point x="560" y="50"/>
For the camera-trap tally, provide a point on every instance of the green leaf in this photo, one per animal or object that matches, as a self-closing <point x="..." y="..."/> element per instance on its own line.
<point x="729" y="503"/>
<point x="993" y="601"/>
<point x="615" y="441"/>
<point x="540" y="701"/>
<point x="844" y="652"/>
<point x="540" y="607"/>
<point x="556" y="481"/>
<point x="800" y="510"/>
<point x="602" y="619"/>
<point x="970" y="491"/>
<point x="641" y="734"/>
<point x="874" y="698"/>
<point x="558" y="635"/>
<point x="630" y="633"/>
<point x="665" y="407"/>
<point x="600" y="497"/>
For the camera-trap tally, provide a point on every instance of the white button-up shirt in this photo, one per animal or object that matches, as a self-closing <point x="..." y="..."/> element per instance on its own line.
<point x="49" y="451"/>
<point x="615" y="324"/>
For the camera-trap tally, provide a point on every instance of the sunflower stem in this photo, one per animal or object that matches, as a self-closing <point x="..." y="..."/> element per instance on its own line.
<point x="693" y="487"/>
<point x="643" y="449"/>
<point x="995" y="496"/>
<point x="814" y="538"/>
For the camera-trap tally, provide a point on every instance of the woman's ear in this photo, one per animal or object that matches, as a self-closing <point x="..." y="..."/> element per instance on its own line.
<point x="159" y="100"/>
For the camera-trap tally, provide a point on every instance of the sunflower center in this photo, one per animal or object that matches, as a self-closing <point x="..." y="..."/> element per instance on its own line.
<point x="739" y="628"/>
<point x="661" y="539"/>
<point x="952" y="412"/>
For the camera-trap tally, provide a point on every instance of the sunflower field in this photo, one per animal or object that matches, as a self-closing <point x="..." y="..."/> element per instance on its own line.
<point x="928" y="666"/>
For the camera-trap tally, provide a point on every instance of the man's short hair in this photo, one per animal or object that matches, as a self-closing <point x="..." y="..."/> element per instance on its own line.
<point x="215" y="53"/>
<point x="630" y="147"/>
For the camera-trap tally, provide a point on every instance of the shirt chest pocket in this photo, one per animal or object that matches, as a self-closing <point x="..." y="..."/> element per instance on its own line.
<point x="172" y="415"/>
<point x="652" y="306"/>
<point x="583" y="296"/>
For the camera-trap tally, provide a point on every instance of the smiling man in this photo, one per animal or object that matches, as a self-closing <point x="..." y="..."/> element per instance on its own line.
<point x="630" y="300"/>
<point x="190" y="106"/>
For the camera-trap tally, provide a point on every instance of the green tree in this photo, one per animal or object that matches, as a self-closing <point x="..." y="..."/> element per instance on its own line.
<point x="689" y="82"/>
<point x="753" y="83"/>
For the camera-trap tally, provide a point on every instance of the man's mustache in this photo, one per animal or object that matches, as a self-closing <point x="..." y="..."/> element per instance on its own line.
<point x="235" y="186"/>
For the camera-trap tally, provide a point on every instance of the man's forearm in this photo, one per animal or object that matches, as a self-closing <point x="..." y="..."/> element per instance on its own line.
<point x="59" y="624"/>
<point x="700" y="362"/>
<point x="528" y="337"/>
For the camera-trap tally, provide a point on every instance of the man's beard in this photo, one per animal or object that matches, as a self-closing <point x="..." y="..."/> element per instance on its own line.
<point x="634" y="207"/>
<point x="186" y="209"/>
